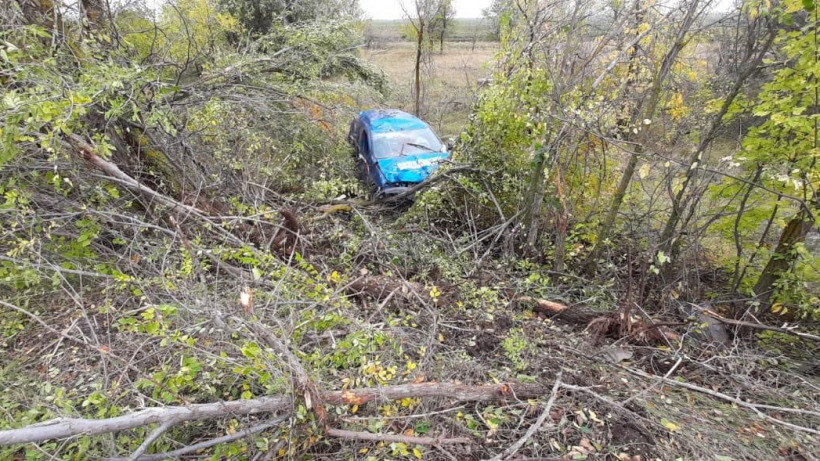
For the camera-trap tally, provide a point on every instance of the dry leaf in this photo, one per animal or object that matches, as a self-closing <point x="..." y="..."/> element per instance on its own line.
<point x="246" y="300"/>
<point x="616" y="354"/>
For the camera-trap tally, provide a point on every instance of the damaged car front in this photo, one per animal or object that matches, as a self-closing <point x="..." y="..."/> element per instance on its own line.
<point x="395" y="150"/>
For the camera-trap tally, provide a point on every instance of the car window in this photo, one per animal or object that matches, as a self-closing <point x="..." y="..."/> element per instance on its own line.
<point x="407" y="142"/>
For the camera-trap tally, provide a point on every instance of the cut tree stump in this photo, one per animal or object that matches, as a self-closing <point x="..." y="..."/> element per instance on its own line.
<point x="576" y="315"/>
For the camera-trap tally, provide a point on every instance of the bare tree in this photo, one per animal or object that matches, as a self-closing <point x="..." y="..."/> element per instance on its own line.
<point x="420" y="14"/>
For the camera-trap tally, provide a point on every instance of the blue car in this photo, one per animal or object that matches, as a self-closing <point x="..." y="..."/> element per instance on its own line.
<point x="394" y="150"/>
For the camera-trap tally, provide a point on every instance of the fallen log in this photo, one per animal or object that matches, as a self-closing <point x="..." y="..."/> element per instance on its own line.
<point x="600" y="323"/>
<point x="71" y="427"/>
<point x="576" y="315"/>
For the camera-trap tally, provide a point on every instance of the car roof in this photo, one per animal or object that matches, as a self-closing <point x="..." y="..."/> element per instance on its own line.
<point x="390" y="120"/>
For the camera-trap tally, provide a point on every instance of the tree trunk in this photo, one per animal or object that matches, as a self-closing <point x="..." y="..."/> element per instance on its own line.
<point x="443" y="33"/>
<point x="782" y="259"/>
<point x="95" y="13"/>
<point x="561" y="225"/>
<point x="419" y="45"/>
<point x="536" y="200"/>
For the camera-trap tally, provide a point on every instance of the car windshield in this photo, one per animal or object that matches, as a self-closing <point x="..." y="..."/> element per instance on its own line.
<point x="407" y="142"/>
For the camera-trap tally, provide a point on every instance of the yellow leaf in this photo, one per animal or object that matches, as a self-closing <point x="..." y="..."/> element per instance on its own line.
<point x="334" y="277"/>
<point x="417" y="453"/>
<point x="643" y="171"/>
<point x="669" y="425"/>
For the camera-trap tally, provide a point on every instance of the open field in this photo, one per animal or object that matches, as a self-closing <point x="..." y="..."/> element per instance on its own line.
<point x="450" y="82"/>
<point x="462" y="30"/>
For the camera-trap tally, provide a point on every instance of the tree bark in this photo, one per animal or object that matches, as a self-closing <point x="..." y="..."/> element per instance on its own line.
<point x="574" y="315"/>
<point x="782" y="259"/>
<point x="419" y="45"/>
<point x="95" y="12"/>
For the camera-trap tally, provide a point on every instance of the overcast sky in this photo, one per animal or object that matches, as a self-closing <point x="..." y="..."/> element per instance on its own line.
<point x="391" y="9"/>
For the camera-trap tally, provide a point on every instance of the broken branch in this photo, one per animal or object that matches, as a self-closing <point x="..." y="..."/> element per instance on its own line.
<point x="69" y="427"/>
<point x="759" y="326"/>
<point x="755" y="407"/>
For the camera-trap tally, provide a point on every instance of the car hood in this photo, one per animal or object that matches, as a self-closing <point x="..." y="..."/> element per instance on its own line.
<point x="410" y="168"/>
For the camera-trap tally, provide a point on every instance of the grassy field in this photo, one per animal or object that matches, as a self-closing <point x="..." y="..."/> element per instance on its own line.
<point x="462" y="30"/>
<point x="450" y="79"/>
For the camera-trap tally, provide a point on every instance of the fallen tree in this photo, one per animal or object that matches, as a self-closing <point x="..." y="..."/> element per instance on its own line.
<point x="601" y="323"/>
<point x="577" y="315"/>
<point x="71" y="427"/>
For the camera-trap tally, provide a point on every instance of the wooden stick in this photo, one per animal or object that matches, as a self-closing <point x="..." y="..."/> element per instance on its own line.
<point x="410" y="440"/>
<point x="70" y="427"/>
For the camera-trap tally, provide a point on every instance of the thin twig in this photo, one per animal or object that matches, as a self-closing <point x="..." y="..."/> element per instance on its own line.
<point x="343" y="434"/>
<point x="383" y="303"/>
<point x="749" y="405"/>
<point x="209" y="443"/>
<point x="150" y="439"/>
<point x="656" y="383"/>
<point x="513" y="449"/>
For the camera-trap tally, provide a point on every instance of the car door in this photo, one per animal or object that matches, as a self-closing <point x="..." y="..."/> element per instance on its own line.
<point x="353" y="135"/>
<point x="366" y="161"/>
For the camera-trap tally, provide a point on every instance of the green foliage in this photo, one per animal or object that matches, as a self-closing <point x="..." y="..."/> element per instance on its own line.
<point x="784" y="147"/>
<point x="259" y="16"/>
<point x="193" y="33"/>
<point x="516" y="346"/>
